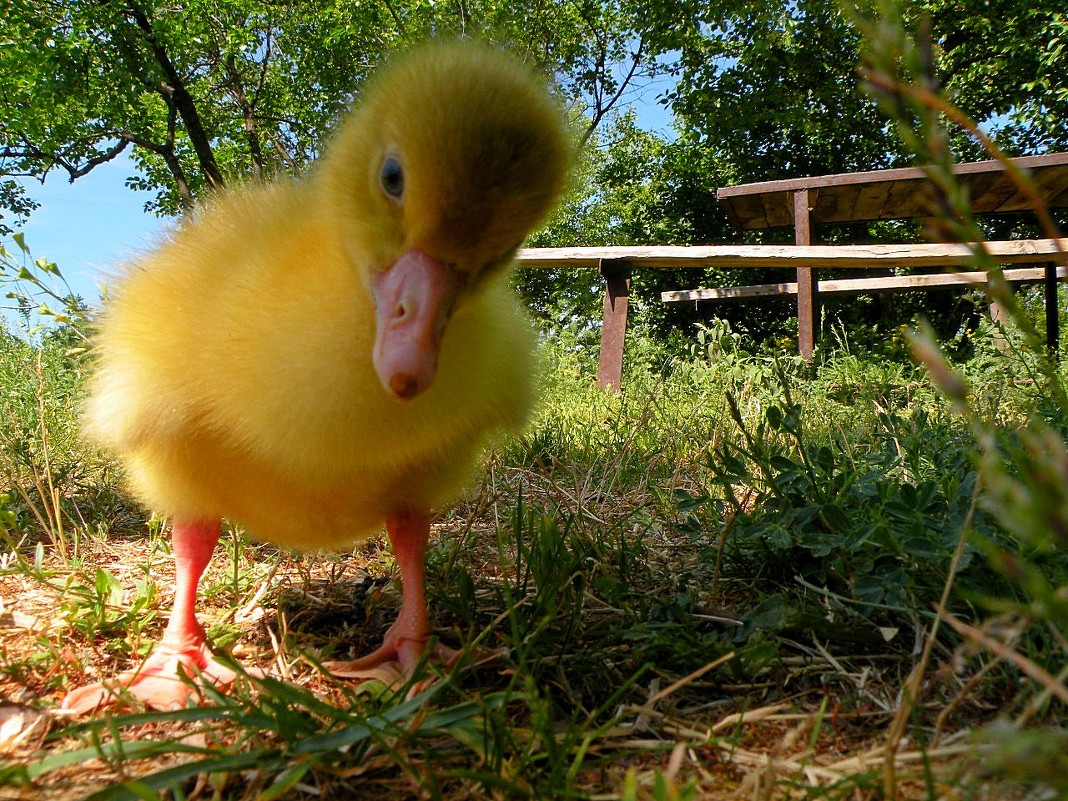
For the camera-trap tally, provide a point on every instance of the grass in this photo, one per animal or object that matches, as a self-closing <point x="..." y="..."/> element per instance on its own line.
<point x="744" y="578"/>
<point x="720" y="584"/>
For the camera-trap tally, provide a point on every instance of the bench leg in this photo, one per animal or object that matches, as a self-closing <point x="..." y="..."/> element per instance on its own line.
<point x="1052" y="312"/>
<point x="1000" y="317"/>
<point x="807" y="289"/>
<point x="614" y="328"/>
<point x="807" y="313"/>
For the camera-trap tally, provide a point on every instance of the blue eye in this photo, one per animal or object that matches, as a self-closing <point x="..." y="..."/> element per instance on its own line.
<point x="392" y="178"/>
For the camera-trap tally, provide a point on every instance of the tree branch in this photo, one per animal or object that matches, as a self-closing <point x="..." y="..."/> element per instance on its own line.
<point x="237" y="91"/>
<point x="32" y="152"/>
<point x="96" y="161"/>
<point x="601" y="108"/>
<point x="174" y="89"/>
<point x="170" y="157"/>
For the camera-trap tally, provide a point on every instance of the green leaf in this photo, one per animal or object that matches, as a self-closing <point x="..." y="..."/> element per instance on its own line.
<point x="136" y="749"/>
<point x="176" y="776"/>
<point x="369" y="728"/>
<point x="825" y="459"/>
<point x="774" y="417"/>
<point x="46" y="266"/>
<point x="784" y="466"/>
<point x="287" y="780"/>
<point x="836" y="519"/>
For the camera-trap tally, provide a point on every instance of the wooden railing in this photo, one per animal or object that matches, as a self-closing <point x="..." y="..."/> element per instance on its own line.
<point x="616" y="264"/>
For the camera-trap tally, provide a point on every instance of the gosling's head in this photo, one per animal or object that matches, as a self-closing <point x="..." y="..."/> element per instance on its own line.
<point x="452" y="155"/>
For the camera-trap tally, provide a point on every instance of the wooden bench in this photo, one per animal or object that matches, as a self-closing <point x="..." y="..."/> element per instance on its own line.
<point x="616" y="264"/>
<point x="803" y="203"/>
<point x="1020" y="186"/>
<point x="912" y="256"/>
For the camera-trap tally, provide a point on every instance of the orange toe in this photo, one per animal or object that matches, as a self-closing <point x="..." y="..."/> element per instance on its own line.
<point x="166" y="680"/>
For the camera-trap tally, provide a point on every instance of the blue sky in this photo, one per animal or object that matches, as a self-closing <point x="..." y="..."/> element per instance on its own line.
<point x="89" y="226"/>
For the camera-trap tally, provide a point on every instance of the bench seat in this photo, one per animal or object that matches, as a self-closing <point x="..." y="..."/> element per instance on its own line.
<point x="890" y="283"/>
<point x="1011" y="251"/>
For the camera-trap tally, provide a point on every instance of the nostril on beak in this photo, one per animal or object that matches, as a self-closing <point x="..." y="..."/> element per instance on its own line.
<point x="404" y="386"/>
<point x="400" y="313"/>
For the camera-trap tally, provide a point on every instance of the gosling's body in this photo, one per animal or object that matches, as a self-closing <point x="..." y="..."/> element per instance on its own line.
<point x="254" y="334"/>
<point x="317" y="358"/>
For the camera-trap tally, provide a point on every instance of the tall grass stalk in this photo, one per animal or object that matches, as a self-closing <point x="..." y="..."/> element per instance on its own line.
<point x="1022" y="471"/>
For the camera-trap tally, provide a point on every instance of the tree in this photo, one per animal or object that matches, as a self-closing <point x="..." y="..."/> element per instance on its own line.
<point x="773" y="85"/>
<point x="769" y="90"/>
<point x="1006" y="64"/>
<point x="204" y="92"/>
<point x="201" y="91"/>
<point x="633" y="187"/>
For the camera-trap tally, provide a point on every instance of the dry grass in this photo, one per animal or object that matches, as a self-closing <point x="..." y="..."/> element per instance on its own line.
<point x="815" y="724"/>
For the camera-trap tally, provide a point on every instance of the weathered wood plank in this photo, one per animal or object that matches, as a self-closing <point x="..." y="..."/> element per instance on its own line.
<point x="843" y="256"/>
<point x="808" y="304"/>
<point x="614" y="328"/>
<point x="871" y="201"/>
<point x="883" y="176"/>
<point x="1052" y="185"/>
<point x="990" y="188"/>
<point x="835" y="205"/>
<point x="857" y="285"/>
<point x="994" y="191"/>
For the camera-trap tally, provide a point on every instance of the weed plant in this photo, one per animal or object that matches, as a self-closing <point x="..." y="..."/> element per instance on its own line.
<point x="778" y="534"/>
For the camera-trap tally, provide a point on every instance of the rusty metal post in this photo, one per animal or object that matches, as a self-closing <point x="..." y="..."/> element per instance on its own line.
<point x="1053" y="331"/>
<point x="614" y="329"/>
<point x="807" y="295"/>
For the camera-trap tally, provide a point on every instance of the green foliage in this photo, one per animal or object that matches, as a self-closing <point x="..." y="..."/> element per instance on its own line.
<point x="768" y="91"/>
<point x="43" y="465"/>
<point x="771" y="86"/>
<point x="203" y="93"/>
<point x="15" y="202"/>
<point x="310" y="735"/>
<point x="863" y="524"/>
<point x="763" y="93"/>
<point x="40" y="294"/>
<point x="852" y="486"/>
<point x="1006" y="61"/>
<point x="1020" y="460"/>
<point x="41" y="459"/>
<point x="101" y="610"/>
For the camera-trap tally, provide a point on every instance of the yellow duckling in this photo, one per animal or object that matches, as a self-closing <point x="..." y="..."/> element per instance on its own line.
<point x="315" y="358"/>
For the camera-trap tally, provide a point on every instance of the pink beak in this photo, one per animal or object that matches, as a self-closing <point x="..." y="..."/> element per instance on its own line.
<point x="413" y="302"/>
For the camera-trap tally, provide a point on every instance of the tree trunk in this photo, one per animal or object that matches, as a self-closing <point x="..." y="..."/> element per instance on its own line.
<point x="173" y="89"/>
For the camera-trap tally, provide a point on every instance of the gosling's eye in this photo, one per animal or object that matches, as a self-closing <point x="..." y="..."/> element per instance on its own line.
<point x="392" y="178"/>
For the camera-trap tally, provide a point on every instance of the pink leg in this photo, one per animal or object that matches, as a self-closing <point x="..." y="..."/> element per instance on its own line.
<point x="183" y="649"/>
<point x="193" y="545"/>
<point x="407" y="638"/>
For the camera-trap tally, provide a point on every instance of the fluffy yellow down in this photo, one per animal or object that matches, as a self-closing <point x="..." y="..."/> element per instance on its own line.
<point x="234" y="370"/>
